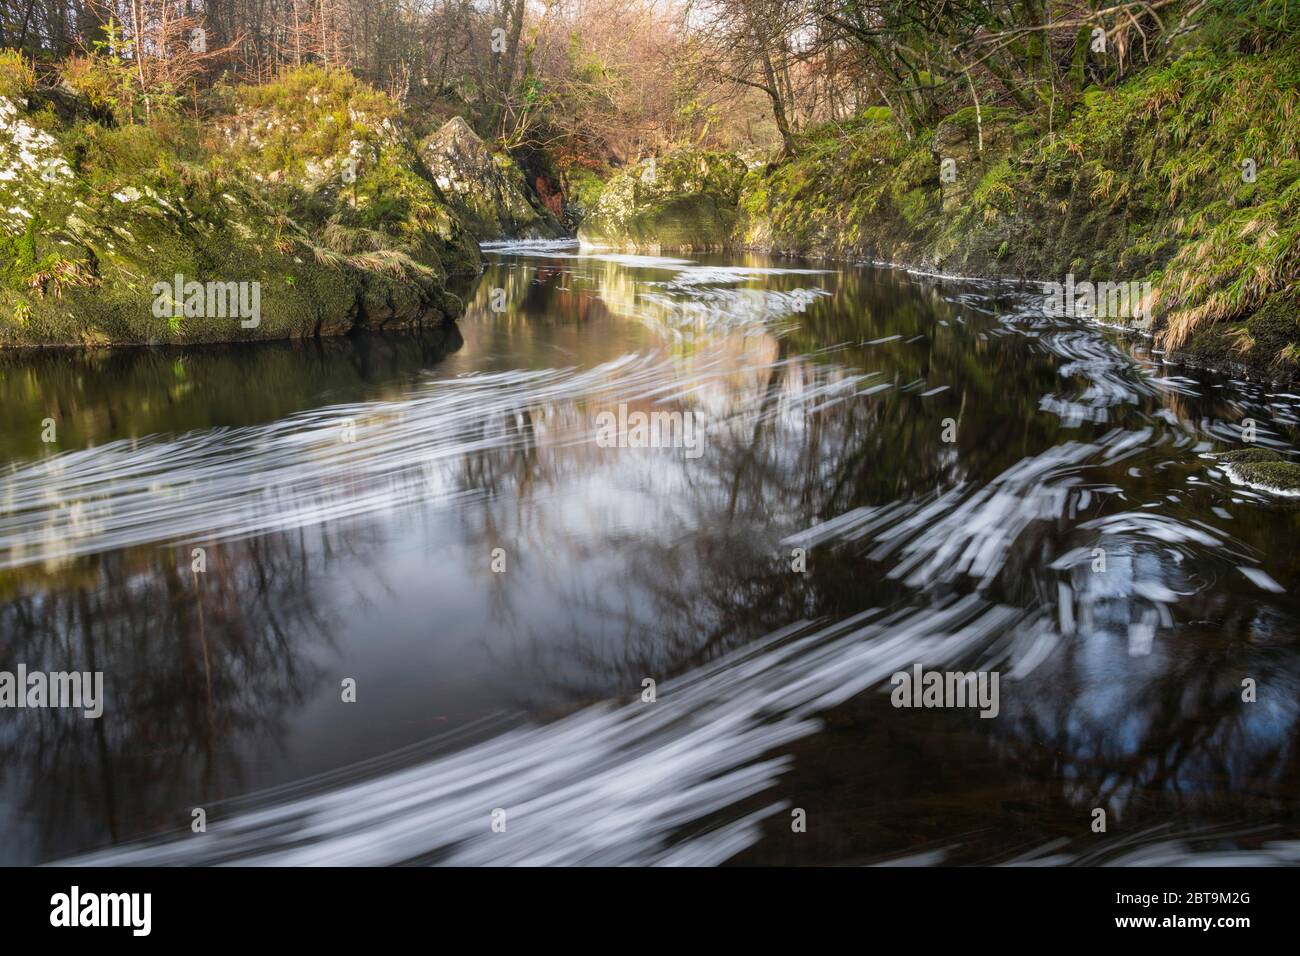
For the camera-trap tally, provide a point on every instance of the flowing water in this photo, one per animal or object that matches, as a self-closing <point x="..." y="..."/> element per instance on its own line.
<point x="973" y="485"/>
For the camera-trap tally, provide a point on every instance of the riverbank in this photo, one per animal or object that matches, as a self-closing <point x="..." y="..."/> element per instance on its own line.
<point x="317" y="205"/>
<point x="300" y="208"/>
<point x="1173" y="199"/>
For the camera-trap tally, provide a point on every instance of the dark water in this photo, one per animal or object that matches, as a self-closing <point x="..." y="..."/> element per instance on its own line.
<point x="348" y="497"/>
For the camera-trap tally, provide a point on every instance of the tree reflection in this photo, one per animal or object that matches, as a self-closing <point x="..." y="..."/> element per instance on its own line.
<point x="628" y="563"/>
<point x="1172" y="741"/>
<point x="194" y="664"/>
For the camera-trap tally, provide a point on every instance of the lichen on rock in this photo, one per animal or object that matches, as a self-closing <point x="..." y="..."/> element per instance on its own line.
<point x="487" y="189"/>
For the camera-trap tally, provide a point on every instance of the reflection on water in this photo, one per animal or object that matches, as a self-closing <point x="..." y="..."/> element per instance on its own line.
<point x="349" y="497"/>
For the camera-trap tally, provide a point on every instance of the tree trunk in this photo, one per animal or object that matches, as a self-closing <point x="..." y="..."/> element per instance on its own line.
<point x="778" y="106"/>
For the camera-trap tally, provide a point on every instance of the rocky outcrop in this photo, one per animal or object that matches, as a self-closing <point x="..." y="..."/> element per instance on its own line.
<point x="116" y="233"/>
<point x="964" y="147"/>
<point x="334" y="153"/>
<point x="488" y="189"/>
<point x="685" y="201"/>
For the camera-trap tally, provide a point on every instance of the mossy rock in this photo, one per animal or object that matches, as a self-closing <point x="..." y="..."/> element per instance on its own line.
<point x="685" y="201"/>
<point x="96" y="217"/>
<point x="1249" y="455"/>
<point x="487" y="189"/>
<point x="959" y="134"/>
<point x="1282" y="476"/>
<point x="335" y="154"/>
<point x="694" y="223"/>
<point x="1264" y="346"/>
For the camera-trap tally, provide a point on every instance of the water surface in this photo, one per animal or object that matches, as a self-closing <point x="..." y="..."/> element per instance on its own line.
<point x="350" y="496"/>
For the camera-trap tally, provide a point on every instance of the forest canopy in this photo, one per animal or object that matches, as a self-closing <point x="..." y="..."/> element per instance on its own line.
<point x="593" y="82"/>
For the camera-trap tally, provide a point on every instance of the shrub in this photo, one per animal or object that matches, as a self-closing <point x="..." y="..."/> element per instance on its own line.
<point x="17" y="77"/>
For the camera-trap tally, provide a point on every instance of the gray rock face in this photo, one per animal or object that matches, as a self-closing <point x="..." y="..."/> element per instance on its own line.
<point x="682" y="202"/>
<point x="488" y="189"/>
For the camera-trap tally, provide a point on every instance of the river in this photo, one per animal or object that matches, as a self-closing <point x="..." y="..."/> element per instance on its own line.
<point x="393" y="600"/>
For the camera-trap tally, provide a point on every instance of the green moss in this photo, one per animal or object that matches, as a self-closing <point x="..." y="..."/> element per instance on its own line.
<point x="307" y="115"/>
<point x="969" y="119"/>
<point x="1282" y="475"/>
<point x="1245" y="455"/>
<point x="18" y="256"/>
<point x="1266" y="345"/>
<point x="583" y="187"/>
<point x="137" y="204"/>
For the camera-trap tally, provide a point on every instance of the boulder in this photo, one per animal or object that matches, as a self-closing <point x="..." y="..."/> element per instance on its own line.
<point x="488" y="189"/>
<point x="684" y="202"/>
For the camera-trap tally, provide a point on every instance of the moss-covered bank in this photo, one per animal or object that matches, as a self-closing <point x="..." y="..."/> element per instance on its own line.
<point x="1145" y="183"/>
<point x="305" y="189"/>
